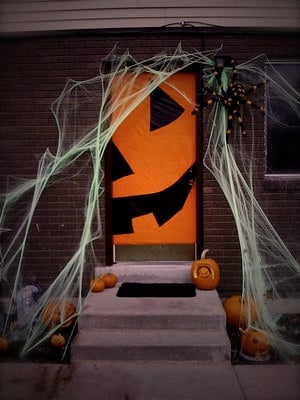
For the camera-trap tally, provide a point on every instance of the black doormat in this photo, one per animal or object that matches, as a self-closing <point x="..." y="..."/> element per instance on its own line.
<point x="133" y="289"/>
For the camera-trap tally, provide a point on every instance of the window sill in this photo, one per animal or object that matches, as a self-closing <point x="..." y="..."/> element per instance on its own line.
<point x="282" y="182"/>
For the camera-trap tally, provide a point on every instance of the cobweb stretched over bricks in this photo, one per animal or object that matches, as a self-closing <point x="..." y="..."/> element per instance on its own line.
<point x="266" y="260"/>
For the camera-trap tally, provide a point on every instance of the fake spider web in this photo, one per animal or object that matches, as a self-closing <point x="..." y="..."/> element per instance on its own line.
<point x="266" y="261"/>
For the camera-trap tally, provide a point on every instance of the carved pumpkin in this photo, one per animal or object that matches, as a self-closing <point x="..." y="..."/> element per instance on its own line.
<point x="255" y="343"/>
<point x="4" y="344"/>
<point x="205" y="272"/>
<point x="97" y="285"/>
<point x="57" y="340"/>
<point x="110" y="280"/>
<point x="56" y="313"/>
<point x="238" y="311"/>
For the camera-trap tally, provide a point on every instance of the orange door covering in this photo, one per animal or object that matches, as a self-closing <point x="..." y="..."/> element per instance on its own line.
<point x="153" y="165"/>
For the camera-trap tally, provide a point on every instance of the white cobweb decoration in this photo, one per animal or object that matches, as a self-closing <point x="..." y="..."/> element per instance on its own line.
<point x="268" y="266"/>
<point x="262" y="251"/>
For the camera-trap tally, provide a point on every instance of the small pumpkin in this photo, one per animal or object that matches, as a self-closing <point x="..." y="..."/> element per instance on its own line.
<point x="110" y="280"/>
<point x="205" y="273"/>
<point x="4" y="344"/>
<point x="57" y="340"/>
<point x="97" y="285"/>
<point x="238" y="311"/>
<point x="56" y="312"/>
<point x="255" y="343"/>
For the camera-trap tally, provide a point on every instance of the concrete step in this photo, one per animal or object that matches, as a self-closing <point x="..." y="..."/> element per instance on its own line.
<point x="159" y="271"/>
<point x="107" y="311"/>
<point x="152" y="345"/>
<point x="149" y="329"/>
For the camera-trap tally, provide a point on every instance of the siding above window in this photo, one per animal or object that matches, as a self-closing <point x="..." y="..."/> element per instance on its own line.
<point x="44" y="16"/>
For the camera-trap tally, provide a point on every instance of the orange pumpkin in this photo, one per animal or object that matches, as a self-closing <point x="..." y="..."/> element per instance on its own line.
<point x="55" y="313"/>
<point x="110" y="280"/>
<point x="4" y="344"/>
<point x="57" y="340"/>
<point x="238" y="311"/>
<point x="97" y="285"/>
<point x="255" y="343"/>
<point x="205" y="272"/>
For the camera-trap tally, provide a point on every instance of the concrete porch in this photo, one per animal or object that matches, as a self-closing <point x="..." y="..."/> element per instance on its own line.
<point x="152" y="329"/>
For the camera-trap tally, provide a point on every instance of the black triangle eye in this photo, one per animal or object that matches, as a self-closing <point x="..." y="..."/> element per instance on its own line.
<point x="163" y="109"/>
<point x="120" y="166"/>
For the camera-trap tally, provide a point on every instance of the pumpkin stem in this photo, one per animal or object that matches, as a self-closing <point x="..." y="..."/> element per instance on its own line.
<point x="203" y="254"/>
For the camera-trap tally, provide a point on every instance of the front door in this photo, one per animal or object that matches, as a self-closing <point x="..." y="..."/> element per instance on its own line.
<point x="153" y="175"/>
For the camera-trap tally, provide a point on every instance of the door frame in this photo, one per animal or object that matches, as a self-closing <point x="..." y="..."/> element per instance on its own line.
<point x="109" y="252"/>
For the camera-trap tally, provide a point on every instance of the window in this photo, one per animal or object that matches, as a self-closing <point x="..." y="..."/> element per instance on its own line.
<point x="283" y="121"/>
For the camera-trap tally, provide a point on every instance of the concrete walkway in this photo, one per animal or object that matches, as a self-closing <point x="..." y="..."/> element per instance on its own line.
<point x="148" y="381"/>
<point x="152" y="380"/>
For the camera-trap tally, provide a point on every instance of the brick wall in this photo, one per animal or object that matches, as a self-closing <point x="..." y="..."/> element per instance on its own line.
<point x="33" y="73"/>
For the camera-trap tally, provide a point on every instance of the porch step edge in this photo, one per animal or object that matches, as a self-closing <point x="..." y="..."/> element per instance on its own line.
<point x="152" y="345"/>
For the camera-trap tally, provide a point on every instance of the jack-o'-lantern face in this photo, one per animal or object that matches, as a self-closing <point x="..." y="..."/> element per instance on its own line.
<point x="57" y="340"/>
<point x="204" y="273"/>
<point x="56" y="313"/>
<point x="255" y="343"/>
<point x="261" y="345"/>
<point x="153" y="162"/>
<point x="263" y="348"/>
